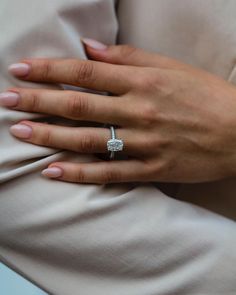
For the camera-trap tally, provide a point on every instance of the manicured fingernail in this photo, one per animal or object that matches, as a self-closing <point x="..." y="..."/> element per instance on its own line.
<point x="52" y="172"/>
<point x="21" y="131"/>
<point x="94" y="44"/>
<point x="19" y="69"/>
<point x="9" y="99"/>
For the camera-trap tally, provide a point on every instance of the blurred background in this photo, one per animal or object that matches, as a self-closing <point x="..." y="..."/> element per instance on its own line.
<point x="13" y="284"/>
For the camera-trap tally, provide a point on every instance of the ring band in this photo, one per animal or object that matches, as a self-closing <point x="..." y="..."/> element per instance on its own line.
<point x="114" y="144"/>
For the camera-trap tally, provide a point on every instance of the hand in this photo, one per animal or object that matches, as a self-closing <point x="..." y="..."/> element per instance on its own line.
<point x="178" y="123"/>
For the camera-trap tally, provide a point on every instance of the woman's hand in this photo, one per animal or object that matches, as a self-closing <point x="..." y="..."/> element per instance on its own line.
<point x="178" y="123"/>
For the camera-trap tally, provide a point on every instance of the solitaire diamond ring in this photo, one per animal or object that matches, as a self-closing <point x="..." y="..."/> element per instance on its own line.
<point x="114" y="144"/>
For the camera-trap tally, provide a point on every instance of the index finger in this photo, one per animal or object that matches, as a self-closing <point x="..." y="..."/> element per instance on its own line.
<point x="117" y="79"/>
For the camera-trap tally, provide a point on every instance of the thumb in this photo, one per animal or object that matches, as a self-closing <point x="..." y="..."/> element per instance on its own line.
<point x="126" y="55"/>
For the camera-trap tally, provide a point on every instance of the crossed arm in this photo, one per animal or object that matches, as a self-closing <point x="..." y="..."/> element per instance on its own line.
<point x="178" y="123"/>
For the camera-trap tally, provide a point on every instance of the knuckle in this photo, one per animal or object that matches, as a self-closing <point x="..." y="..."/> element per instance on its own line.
<point x="79" y="175"/>
<point x="46" y="69"/>
<point x="83" y="72"/>
<point x="150" y="80"/>
<point x="77" y="106"/>
<point x="87" y="144"/>
<point x="164" y="169"/>
<point x="148" y="115"/>
<point x="154" y="170"/>
<point x="109" y="176"/>
<point x="127" y="51"/>
<point x="146" y="82"/>
<point x="147" y="144"/>
<point x="34" y="102"/>
<point x="152" y="143"/>
<point x="46" y="137"/>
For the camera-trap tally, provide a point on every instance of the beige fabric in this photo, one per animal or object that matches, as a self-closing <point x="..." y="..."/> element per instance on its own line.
<point x="118" y="239"/>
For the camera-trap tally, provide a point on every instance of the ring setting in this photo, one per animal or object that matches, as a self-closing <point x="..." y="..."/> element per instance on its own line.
<point x="114" y="144"/>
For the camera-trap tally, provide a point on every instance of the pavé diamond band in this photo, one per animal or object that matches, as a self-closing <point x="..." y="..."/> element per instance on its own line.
<point x="114" y="144"/>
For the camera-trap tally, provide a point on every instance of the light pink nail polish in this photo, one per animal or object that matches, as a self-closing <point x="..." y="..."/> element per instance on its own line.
<point x="52" y="172"/>
<point x="19" y="69"/>
<point x="94" y="44"/>
<point x="21" y="131"/>
<point x="9" y="99"/>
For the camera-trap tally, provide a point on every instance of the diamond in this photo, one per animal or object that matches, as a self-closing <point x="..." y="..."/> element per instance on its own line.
<point x="115" y="145"/>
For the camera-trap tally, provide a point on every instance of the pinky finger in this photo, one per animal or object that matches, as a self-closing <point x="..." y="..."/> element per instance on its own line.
<point x="97" y="172"/>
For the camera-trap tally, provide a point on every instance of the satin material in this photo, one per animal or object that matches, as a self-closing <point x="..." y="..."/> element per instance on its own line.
<point x="115" y="239"/>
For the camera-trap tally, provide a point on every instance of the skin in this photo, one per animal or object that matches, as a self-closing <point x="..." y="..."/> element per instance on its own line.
<point x="178" y="123"/>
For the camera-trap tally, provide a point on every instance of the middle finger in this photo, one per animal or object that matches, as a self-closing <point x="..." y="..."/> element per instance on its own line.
<point x="73" y="105"/>
<point x="78" y="139"/>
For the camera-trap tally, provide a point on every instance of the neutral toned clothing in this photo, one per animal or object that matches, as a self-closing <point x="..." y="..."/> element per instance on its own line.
<point x="126" y="239"/>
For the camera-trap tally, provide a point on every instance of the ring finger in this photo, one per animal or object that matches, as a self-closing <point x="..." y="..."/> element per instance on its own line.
<point x="78" y="139"/>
